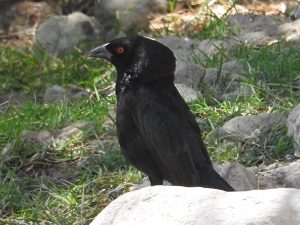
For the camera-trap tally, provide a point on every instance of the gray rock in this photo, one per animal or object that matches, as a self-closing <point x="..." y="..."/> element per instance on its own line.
<point x="187" y="50"/>
<point x="293" y="124"/>
<point x="238" y="176"/>
<point x="176" y="205"/>
<point x="183" y="48"/>
<point x="219" y="83"/>
<point x="240" y="91"/>
<point x="78" y="128"/>
<point x="226" y="85"/>
<point x="256" y="29"/>
<point x="12" y="98"/>
<point x="292" y="120"/>
<point x="261" y="29"/>
<point x="55" y="93"/>
<point x="132" y="16"/>
<point x="189" y="74"/>
<point x="290" y="8"/>
<point x="7" y="149"/>
<point x="44" y="138"/>
<point x="233" y="66"/>
<point x="248" y="23"/>
<point x="290" y="31"/>
<point x="110" y="145"/>
<point x="187" y="93"/>
<point x="104" y="145"/>
<point x="282" y="176"/>
<point x="59" y="34"/>
<point x="210" y="47"/>
<point x="296" y="13"/>
<point x="58" y="139"/>
<point x="78" y="93"/>
<point x="243" y="128"/>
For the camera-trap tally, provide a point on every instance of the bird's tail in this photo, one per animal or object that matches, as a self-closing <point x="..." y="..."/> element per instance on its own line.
<point x="212" y="179"/>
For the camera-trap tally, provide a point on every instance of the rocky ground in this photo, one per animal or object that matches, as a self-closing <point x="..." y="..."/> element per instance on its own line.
<point x="210" y="66"/>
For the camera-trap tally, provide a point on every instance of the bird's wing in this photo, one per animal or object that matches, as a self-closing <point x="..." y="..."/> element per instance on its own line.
<point x="173" y="139"/>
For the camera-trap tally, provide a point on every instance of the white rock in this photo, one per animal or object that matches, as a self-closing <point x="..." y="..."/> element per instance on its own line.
<point x="173" y="205"/>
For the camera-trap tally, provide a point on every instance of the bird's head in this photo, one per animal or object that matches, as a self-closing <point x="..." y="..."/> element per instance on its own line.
<point x="144" y="59"/>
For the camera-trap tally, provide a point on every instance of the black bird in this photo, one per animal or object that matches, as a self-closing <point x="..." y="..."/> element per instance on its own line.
<point x="157" y="132"/>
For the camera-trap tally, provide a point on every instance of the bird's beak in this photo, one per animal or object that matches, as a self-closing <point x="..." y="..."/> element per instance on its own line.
<point x="100" y="52"/>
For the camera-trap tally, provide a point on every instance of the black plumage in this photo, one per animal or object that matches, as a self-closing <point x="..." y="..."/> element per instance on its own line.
<point x="157" y="132"/>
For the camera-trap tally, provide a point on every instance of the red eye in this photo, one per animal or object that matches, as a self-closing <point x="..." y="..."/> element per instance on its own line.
<point x="120" y="50"/>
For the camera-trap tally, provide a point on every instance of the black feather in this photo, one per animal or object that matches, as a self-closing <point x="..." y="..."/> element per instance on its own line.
<point x="157" y="132"/>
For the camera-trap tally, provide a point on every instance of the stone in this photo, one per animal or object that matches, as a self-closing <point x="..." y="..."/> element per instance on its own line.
<point x="255" y="29"/>
<point x="290" y="31"/>
<point x="240" y="91"/>
<point x="189" y="74"/>
<point x="54" y="94"/>
<point x="292" y="121"/>
<point x="7" y="149"/>
<point x="226" y="85"/>
<point x="260" y="30"/>
<point x="132" y="16"/>
<point x="238" y="176"/>
<point x="57" y="93"/>
<point x="280" y="176"/>
<point x="77" y="128"/>
<point x="174" y="205"/>
<point x="247" y="127"/>
<point x="76" y="93"/>
<point x="248" y="23"/>
<point x="183" y="48"/>
<point x="187" y="93"/>
<point x="66" y="32"/>
<point x="22" y="16"/>
<point x="187" y="50"/>
<point x="12" y="98"/>
<point x="210" y="47"/>
<point x="44" y="138"/>
<point x="289" y="8"/>
<point x="293" y="124"/>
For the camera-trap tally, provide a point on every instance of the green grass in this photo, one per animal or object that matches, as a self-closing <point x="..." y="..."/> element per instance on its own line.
<point x="172" y="5"/>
